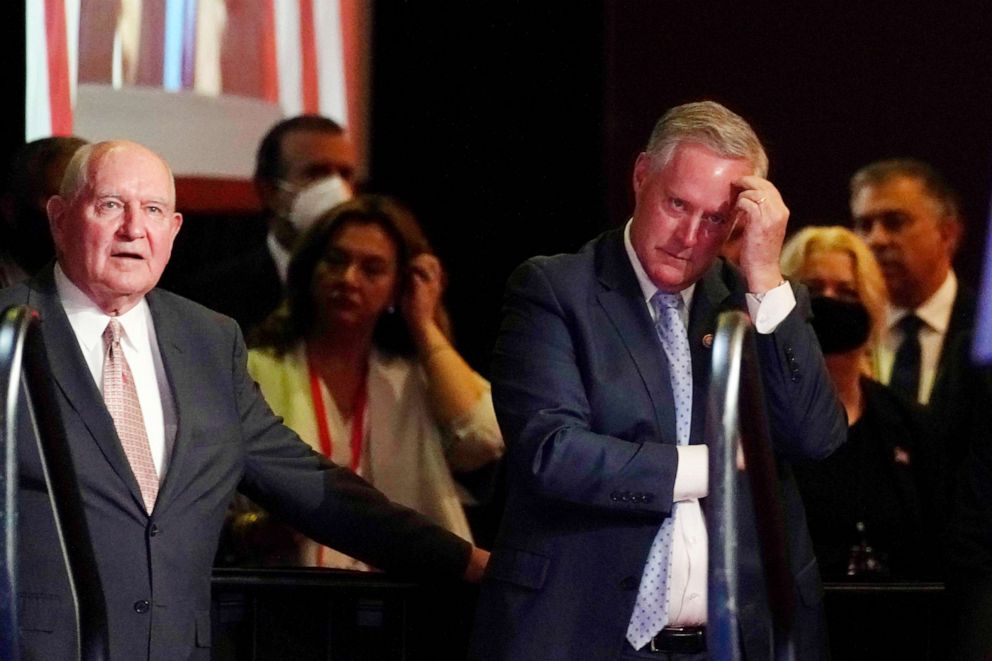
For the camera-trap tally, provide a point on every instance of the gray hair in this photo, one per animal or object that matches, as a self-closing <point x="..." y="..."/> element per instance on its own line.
<point x="712" y="125"/>
<point x="934" y="184"/>
<point x="77" y="172"/>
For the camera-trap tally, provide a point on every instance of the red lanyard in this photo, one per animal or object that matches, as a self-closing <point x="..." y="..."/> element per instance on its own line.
<point x="357" y="419"/>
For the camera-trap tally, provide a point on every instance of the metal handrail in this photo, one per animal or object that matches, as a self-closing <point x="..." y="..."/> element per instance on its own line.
<point x="22" y="354"/>
<point x="736" y="424"/>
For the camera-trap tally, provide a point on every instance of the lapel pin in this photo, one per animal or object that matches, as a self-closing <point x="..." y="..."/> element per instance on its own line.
<point x="708" y="340"/>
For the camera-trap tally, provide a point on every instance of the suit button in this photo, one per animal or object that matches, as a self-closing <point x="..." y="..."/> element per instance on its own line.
<point x="614" y="496"/>
<point x="625" y="497"/>
<point x="141" y="606"/>
<point x="628" y="583"/>
<point x="153" y="530"/>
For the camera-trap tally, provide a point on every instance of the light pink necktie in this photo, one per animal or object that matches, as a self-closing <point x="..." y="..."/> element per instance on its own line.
<point x="121" y="397"/>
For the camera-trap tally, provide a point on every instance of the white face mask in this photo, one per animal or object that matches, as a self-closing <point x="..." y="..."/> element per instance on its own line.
<point x="317" y="198"/>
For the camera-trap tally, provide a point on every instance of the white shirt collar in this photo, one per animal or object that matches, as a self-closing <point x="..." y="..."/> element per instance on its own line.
<point x="648" y="288"/>
<point x="88" y="321"/>
<point x="279" y="255"/>
<point x="936" y="310"/>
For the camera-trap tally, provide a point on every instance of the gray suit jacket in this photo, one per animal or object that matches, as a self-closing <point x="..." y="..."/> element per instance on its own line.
<point x="155" y="569"/>
<point x="582" y="393"/>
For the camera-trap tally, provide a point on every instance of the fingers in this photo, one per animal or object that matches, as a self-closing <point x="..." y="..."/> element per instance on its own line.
<point x="765" y="216"/>
<point x="759" y="196"/>
<point x="426" y="268"/>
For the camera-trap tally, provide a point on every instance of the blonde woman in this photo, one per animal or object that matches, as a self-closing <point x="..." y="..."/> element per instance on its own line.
<point x="866" y="503"/>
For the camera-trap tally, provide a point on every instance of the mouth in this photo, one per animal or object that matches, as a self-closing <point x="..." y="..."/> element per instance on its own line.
<point x="127" y="255"/>
<point x="343" y="299"/>
<point x="672" y="256"/>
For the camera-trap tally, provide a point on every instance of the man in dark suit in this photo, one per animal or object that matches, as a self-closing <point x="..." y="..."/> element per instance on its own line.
<point x="604" y="417"/>
<point x="156" y="476"/>
<point x="306" y="152"/>
<point x="910" y="217"/>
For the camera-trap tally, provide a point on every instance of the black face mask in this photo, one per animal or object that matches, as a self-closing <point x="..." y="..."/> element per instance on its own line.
<point x="839" y="325"/>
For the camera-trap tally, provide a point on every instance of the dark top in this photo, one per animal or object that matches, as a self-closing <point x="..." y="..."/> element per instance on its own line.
<point x="884" y="477"/>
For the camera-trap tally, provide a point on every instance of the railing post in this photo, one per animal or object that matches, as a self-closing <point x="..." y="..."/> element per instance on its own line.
<point x="22" y="351"/>
<point x="10" y="369"/>
<point x="735" y="424"/>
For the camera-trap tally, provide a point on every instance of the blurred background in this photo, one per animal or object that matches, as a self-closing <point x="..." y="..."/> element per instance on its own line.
<point x="509" y="127"/>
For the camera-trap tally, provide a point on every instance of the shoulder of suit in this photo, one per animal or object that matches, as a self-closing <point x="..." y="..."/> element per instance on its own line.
<point x="575" y="264"/>
<point x="186" y="311"/>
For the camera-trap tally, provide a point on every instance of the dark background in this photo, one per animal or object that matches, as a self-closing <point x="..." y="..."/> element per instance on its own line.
<point x="511" y="127"/>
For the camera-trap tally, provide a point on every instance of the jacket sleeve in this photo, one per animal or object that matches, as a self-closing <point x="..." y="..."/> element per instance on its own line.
<point x="806" y="417"/>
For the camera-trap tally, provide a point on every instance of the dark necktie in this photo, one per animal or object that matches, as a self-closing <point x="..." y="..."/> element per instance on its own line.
<point x="906" y="367"/>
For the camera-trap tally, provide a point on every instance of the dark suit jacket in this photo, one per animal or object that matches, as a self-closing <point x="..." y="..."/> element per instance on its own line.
<point x="246" y="286"/>
<point x="155" y="569"/>
<point x="964" y="411"/>
<point x="583" y="397"/>
<point x="959" y="325"/>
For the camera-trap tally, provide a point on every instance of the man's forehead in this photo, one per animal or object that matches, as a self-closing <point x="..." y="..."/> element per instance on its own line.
<point x="146" y="179"/>
<point x="897" y="191"/>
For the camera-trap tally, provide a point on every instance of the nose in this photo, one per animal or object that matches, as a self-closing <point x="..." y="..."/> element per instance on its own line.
<point x="132" y="222"/>
<point x="350" y="273"/>
<point x="875" y="234"/>
<point x="688" y="230"/>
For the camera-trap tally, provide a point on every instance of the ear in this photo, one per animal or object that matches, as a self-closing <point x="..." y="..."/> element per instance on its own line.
<point x="55" y="207"/>
<point x="642" y="167"/>
<point x="951" y="231"/>
<point x="267" y="191"/>
<point x="177" y="222"/>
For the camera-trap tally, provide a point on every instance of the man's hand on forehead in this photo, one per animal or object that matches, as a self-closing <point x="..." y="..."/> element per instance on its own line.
<point x="764" y="216"/>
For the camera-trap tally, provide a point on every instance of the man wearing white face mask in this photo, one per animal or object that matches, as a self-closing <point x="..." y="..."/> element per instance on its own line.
<point x="304" y="166"/>
<point x="316" y="199"/>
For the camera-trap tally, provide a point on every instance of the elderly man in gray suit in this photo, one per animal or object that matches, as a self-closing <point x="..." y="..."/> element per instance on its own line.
<point x="164" y="425"/>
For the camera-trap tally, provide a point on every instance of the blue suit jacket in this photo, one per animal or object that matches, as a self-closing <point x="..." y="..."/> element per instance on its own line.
<point x="583" y="397"/>
<point x="155" y="569"/>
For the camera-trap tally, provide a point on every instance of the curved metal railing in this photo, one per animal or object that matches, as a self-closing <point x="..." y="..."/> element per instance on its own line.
<point x="738" y="437"/>
<point x="22" y="355"/>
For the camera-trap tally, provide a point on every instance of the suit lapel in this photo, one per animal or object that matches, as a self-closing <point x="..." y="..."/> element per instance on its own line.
<point x="623" y="302"/>
<point x="73" y="378"/>
<point x="169" y="332"/>
<point x="710" y="298"/>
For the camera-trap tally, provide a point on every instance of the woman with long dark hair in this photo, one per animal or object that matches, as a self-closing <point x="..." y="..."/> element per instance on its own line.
<point x="358" y="361"/>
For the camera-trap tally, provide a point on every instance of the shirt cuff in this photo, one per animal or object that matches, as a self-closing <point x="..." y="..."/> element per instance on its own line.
<point x="770" y="309"/>
<point x="692" y="479"/>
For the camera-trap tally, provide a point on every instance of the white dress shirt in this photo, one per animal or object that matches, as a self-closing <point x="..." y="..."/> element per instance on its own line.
<point x="935" y="313"/>
<point x="143" y="357"/>
<point x="690" y="543"/>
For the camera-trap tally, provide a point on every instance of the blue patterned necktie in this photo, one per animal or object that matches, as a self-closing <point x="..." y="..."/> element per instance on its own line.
<point x="651" y="608"/>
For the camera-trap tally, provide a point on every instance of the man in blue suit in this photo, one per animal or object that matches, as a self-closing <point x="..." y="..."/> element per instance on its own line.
<point x="601" y="394"/>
